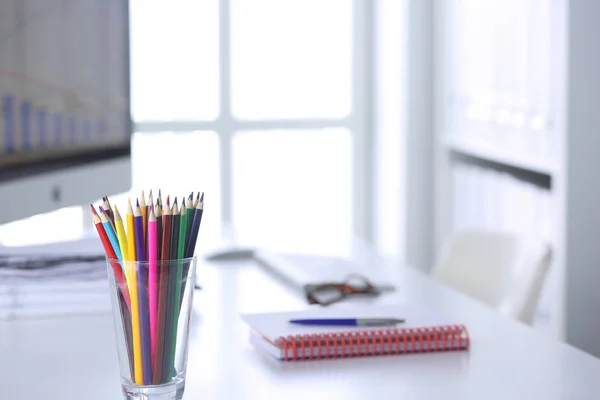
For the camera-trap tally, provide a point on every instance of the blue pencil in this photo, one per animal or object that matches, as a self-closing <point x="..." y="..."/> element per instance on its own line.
<point x="142" y="283"/>
<point x="195" y="227"/>
<point x="110" y="232"/>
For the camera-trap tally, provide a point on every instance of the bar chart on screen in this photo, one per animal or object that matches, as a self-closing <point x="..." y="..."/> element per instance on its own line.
<point x="49" y="81"/>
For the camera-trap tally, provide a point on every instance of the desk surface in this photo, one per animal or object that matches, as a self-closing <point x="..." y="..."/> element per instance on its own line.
<point x="73" y="358"/>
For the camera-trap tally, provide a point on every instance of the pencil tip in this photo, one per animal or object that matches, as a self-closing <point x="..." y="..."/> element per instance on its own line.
<point x="137" y="202"/>
<point x="93" y="209"/>
<point x="101" y="209"/>
<point x="202" y="197"/>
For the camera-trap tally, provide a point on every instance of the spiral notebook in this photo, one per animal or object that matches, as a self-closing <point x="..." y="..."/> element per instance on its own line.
<point x="422" y="332"/>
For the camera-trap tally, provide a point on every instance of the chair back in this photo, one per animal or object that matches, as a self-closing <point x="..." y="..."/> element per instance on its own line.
<point x="503" y="270"/>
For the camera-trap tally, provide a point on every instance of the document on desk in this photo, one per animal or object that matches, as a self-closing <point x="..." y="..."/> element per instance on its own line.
<point x="421" y="332"/>
<point x="50" y="279"/>
<point x="302" y="269"/>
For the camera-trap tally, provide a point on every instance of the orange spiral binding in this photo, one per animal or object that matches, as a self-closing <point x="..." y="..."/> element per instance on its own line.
<point x="369" y="342"/>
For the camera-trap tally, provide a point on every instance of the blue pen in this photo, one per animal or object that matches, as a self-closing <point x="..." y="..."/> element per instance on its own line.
<point x="348" y="321"/>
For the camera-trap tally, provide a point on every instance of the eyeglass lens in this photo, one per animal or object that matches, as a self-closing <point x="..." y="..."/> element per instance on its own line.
<point x="326" y="294"/>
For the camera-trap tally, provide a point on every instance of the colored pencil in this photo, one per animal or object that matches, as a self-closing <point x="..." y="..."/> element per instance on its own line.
<point x="122" y="293"/>
<point x="130" y="232"/>
<point x="142" y="281"/>
<point x="191" y="243"/>
<point x="138" y="221"/>
<point x="162" y="292"/>
<point x="144" y="211"/>
<point x="178" y="276"/>
<point x="158" y="212"/>
<point x="149" y="204"/>
<point x="152" y="279"/>
<point x="183" y="213"/>
<point x="108" y="205"/>
<point x="171" y="283"/>
<point x="133" y="289"/>
<point x="189" y="206"/>
<point x="126" y="322"/>
<point x="112" y="236"/>
<point x="175" y="218"/>
<point x="150" y="199"/>
<point x="121" y="236"/>
<point x="108" y="249"/>
<point x="108" y="209"/>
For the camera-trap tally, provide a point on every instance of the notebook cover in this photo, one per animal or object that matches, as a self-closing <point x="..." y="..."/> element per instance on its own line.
<point x="422" y="332"/>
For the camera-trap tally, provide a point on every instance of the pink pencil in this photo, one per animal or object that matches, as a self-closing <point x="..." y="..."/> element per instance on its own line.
<point x="153" y="280"/>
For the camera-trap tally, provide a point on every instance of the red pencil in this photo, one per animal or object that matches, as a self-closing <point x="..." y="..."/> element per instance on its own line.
<point x="121" y="281"/>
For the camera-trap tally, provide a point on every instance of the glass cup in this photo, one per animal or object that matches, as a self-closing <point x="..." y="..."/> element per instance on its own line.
<point x="151" y="308"/>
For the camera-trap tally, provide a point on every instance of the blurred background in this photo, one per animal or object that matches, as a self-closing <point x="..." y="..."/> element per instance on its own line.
<point x="401" y="122"/>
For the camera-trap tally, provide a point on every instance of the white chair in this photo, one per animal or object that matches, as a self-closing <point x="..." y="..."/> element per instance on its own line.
<point x="505" y="271"/>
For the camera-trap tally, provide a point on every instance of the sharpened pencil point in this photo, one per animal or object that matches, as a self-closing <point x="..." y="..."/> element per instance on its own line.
<point x="93" y="209"/>
<point x="137" y="202"/>
<point x="129" y="207"/>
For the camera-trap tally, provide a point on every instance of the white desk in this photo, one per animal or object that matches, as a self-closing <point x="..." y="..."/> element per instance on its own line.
<point x="74" y="358"/>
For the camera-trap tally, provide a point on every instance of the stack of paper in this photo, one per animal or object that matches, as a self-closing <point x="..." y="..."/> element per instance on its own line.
<point x="31" y="288"/>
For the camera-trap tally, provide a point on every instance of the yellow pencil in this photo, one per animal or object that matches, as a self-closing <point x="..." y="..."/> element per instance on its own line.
<point x="133" y="290"/>
<point x="130" y="232"/>
<point x="121" y="235"/>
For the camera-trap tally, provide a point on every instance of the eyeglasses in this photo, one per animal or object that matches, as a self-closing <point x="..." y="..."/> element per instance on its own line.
<point x="328" y="293"/>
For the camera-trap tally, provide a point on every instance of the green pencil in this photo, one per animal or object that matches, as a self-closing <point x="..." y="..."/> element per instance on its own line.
<point x="178" y="278"/>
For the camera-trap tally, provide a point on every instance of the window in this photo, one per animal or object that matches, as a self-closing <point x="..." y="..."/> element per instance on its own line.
<point x="275" y="83"/>
<point x="259" y="103"/>
<point x="291" y="59"/>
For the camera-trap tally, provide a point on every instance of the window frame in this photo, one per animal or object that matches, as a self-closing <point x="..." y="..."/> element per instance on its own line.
<point x="358" y="121"/>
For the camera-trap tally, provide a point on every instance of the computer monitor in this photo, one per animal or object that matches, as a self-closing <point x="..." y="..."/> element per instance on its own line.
<point x="65" y="124"/>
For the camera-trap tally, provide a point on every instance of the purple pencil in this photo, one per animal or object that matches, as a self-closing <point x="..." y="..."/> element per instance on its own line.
<point x="142" y="278"/>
